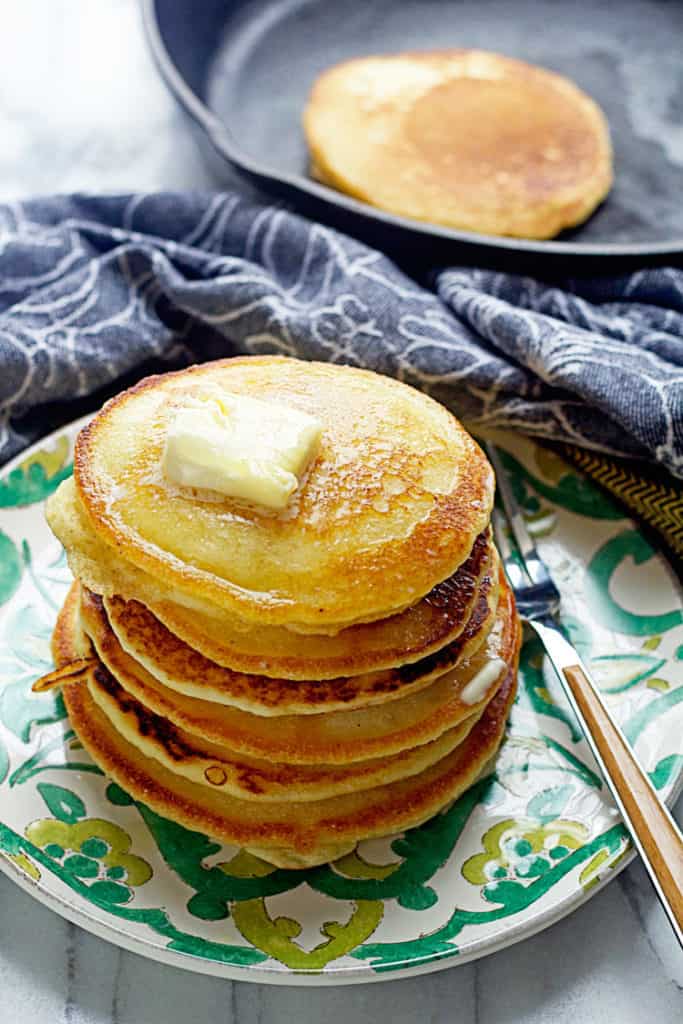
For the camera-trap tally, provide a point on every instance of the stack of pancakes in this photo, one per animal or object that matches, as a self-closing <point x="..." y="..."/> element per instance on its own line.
<point x="289" y="682"/>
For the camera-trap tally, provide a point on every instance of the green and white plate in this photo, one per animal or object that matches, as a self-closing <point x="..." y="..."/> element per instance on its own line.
<point x="516" y="853"/>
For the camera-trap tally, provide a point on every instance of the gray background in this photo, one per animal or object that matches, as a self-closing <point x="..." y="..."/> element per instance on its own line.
<point x="81" y="108"/>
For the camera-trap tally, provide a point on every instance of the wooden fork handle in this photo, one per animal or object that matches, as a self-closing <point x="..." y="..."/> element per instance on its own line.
<point x="646" y="815"/>
<point x="652" y="828"/>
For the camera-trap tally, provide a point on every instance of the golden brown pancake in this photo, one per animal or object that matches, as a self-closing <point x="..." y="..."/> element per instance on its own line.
<point x="285" y="834"/>
<point x="180" y="667"/>
<point x="276" y="650"/>
<point x="400" y="640"/>
<point x="210" y="764"/>
<point x="69" y="641"/>
<point x="391" y="506"/>
<point x="187" y="672"/>
<point x="339" y="737"/>
<point x="463" y="138"/>
<point x="290" y="834"/>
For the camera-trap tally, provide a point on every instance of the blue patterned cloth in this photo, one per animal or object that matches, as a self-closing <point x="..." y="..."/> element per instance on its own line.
<point x="95" y="291"/>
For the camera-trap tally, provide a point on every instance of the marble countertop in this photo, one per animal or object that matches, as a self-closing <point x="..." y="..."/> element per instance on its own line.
<point x="81" y="108"/>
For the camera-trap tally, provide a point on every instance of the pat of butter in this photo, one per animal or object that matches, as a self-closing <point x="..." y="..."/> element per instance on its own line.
<point x="477" y="688"/>
<point x="240" y="446"/>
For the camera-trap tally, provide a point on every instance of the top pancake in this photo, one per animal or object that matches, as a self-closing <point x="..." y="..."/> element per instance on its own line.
<point x="391" y="505"/>
<point x="463" y="138"/>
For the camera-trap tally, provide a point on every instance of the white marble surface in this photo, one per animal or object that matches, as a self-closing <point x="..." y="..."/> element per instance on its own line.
<point x="81" y="108"/>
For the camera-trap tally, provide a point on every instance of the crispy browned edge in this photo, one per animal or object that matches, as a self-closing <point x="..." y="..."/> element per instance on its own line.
<point x="393" y="809"/>
<point x="254" y="775"/>
<point x="311" y="694"/>
<point x="65" y="643"/>
<point x="239" y="734"/>
<point x="396" y="806"/>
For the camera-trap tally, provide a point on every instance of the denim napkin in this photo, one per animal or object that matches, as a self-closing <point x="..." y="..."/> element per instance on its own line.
<point x="97" y="290"/>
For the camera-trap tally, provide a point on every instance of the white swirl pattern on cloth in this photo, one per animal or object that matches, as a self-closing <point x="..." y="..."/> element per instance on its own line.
<point x="95" y="291"/>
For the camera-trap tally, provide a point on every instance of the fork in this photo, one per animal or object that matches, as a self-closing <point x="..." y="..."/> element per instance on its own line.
<point x="653" y="830"/>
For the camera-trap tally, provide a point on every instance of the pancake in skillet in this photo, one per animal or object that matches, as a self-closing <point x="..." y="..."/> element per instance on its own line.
<point x="391" y="506"/>
<point x="463" y="138"/>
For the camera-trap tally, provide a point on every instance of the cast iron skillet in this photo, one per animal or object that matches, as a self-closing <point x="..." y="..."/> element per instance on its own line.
<point x="242" y="71"/>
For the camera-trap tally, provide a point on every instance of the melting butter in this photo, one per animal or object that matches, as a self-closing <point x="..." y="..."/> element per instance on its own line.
<point x="240" y="446"/>
<point x="477" y="687"/>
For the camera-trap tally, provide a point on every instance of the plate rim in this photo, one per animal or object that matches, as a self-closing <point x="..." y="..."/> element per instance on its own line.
<point x="223" y="141"/>
<point x="299" y="977"/>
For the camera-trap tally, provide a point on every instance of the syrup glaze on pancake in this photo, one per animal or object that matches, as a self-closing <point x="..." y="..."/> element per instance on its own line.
<point x="391" y="506"/>
<point x="463" y="138"/>
<point x="179" y="667"/>
<point x="339" y="737"/>
<point x="290" y="834"/>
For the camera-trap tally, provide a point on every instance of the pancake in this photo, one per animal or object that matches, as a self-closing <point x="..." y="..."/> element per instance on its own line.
<point x="214" y="765"/>
<point x="209" y="764"/>
<point x="463" y="138"/>
<point x="275" y="650"/>
<point x="391" y="506"/>
<point x="291" y="834"/>
<point x="399" y="640"/>
<point x="180" y="667"/>
<point x="339" y="737"/>
<point x="69" y="643"/>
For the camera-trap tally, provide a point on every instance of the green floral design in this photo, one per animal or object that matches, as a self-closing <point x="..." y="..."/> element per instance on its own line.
<point x="511" y="897"/>
<point x="276" y="936"/>
<point x="40" y="761"/>
<point x="87" y="848"/>
<point x="666" y="770"/>
<point x="10" y="568"/>
<point x="215" y="887"/>
<point x="519" y="850"/>
<point x="93" y="849"/>
<point x="562" y="486"/>
<point x="25" y="649"/>
<point x="533" y="692"/>
<point x="603" y="861"/>
<point x="24" y="657"/>
<point x="601" y="604"/>
<point x="92" y="857"/>
<point x="615" y="673"/>
<point x="37" y="476"/>
<point x="422" y="851"/>
<point x="20" y="849"/>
